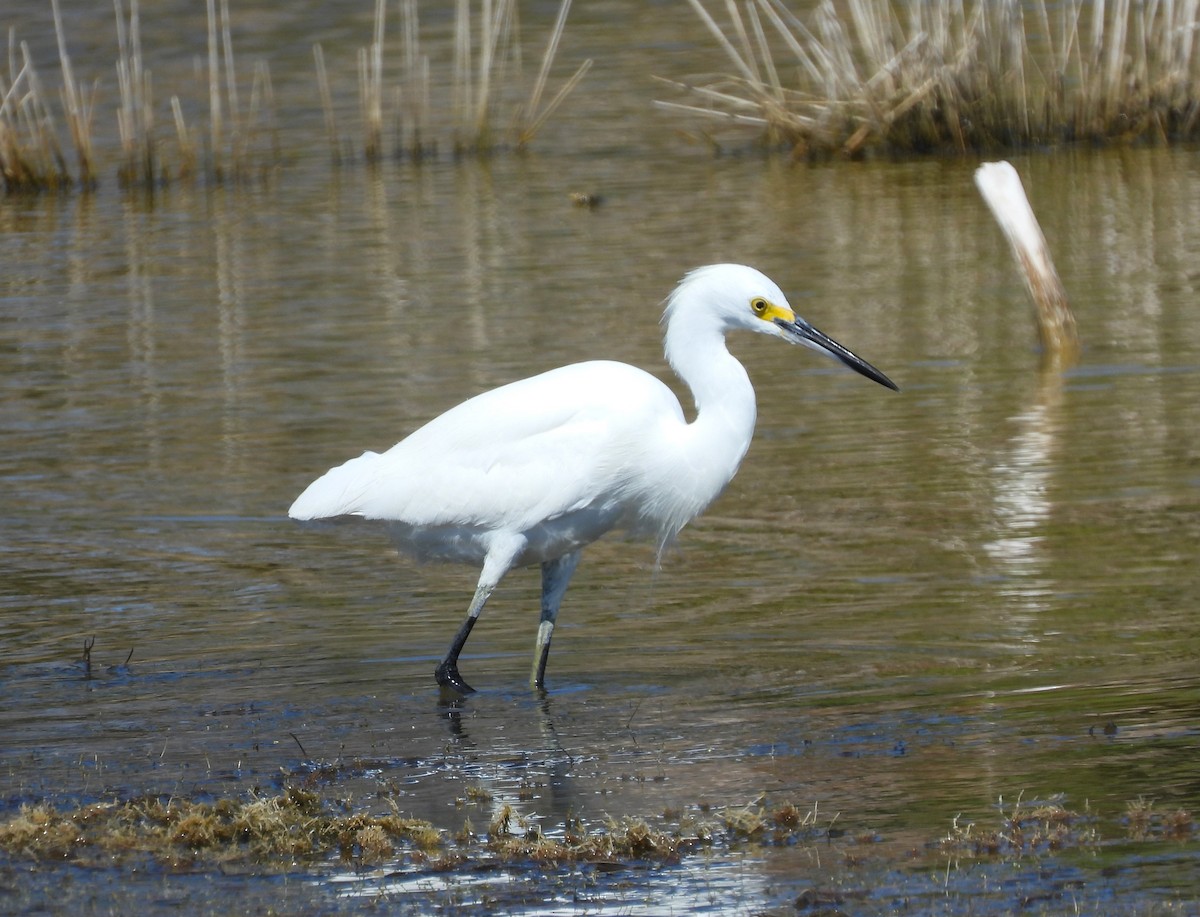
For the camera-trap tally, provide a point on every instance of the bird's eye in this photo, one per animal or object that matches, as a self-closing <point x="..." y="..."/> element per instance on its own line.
<point x="759" y="305"/>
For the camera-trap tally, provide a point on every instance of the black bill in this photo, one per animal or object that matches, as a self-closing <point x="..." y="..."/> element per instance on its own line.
<point x="801" y="332"/>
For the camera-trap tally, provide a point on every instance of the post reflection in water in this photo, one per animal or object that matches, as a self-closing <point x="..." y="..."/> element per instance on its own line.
<point x="1024" y="483"/>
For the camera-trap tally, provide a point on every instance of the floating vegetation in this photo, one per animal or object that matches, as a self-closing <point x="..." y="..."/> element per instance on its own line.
<point x="299" y="824"/>
<point x="1024" y="829"/>
<point x="262" y="830"/>
<point x="368" y="849"/>
<point x="1144" y="821"/>
<point x="274" y="831"/>
<point x="951" y="76"/>
<point x="1047" y="826"/>
<point x="238" y="137"/>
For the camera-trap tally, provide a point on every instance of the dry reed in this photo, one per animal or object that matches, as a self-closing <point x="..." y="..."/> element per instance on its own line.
<point x="77" y="108"/>
<point x="370" y="87"/>
<point x="533" y="116"/>
<point x="31" y="158"/>
<point x="484" y="84"/>
<point x="135" y="117"/>
<point x="951" y="76"/>
<point x="483" y="87"/>
<point x="235" y="151"/>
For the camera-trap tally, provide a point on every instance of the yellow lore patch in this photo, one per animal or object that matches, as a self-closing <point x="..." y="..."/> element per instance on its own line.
<point x="768" y="311"/>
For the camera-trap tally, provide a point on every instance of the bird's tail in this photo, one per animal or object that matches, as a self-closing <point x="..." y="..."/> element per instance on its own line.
<point x="338" y="492"/>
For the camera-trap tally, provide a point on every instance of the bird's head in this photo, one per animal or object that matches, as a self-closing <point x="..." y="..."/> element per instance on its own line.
<point x="740" y="297"/>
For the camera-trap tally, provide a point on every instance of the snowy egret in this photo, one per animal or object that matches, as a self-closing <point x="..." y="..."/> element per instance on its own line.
<point x="533" y="471"/>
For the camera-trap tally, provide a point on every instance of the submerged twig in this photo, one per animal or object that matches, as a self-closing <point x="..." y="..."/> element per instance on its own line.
<point x="1004" y="194"/>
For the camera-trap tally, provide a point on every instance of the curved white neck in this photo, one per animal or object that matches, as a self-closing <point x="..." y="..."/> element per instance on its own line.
<point x="724" y="397"/>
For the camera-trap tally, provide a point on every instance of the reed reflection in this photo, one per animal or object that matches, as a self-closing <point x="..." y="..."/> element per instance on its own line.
<point x="233" y="262"/>
<point x="142" y="332"/>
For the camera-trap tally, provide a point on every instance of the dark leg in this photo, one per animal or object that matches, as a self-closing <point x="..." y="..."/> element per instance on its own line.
<point x="556" y="576"/>
<point x="447" y="671"/>
<point x="495" y="565"/>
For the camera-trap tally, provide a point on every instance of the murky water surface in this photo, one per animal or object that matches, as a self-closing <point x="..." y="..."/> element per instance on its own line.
<point x="905" y="607"/>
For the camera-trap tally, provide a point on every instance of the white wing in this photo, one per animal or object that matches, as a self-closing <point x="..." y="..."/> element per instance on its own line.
<point x="507" y="459"/>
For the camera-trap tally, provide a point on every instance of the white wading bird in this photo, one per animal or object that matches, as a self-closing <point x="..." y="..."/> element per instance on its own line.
<point x="531" y="472"/>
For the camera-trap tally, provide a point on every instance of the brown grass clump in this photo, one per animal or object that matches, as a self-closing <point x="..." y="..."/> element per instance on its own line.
<point x="510" y="837"/>
<point x="1145" y="821"/>
<point x="478" y="794"/>
<point x="267" y="829"/>
<point x="1178" y="825"/>
<point x="39" y="829"/>
<point x="375" y="844"/>
<point x="1035" y="829"/>
<point x="297" y="824"/>
<point x="626" y="840"/>
<point x="789" y="817"/>
<point x="502" y="822"/>
<point x="1139" y="815"/>
<point x="783" y="825"/>
<point x="950" y="76"/>
<point x="31" y="158"/>
<point x="1026" y="828"/>
<point x="745" y="823"/>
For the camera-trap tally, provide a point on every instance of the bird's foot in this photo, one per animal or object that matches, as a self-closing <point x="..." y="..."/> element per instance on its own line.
<point x="447" y="677"/>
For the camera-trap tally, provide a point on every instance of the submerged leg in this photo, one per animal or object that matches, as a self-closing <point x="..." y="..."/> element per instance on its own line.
<point x="498" y="561"/>
<point x="556" y="575"/>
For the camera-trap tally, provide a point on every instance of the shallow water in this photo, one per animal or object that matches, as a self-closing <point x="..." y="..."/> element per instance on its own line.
<point x="904" y="608"/>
